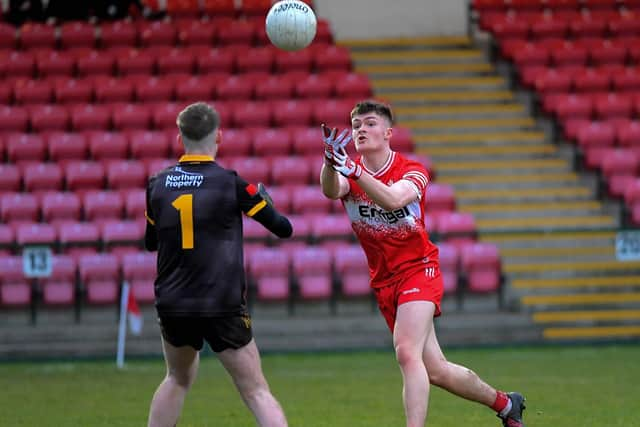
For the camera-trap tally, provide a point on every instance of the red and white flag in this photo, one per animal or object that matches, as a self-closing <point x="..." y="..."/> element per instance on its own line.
<point x="134" y="314"/>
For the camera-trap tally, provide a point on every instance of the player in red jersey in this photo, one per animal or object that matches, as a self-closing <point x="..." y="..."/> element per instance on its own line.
<point x="383" y="193"/>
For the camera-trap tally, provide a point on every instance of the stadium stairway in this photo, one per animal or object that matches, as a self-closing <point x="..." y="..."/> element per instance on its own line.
<point x="556" y="238"/>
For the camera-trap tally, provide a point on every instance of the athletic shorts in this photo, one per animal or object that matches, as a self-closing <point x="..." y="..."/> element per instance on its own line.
<point x="220" y="333"/>
<point x="424" y="285"/>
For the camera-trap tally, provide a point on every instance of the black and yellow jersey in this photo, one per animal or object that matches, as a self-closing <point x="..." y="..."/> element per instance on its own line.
<point x="194" y="220"/>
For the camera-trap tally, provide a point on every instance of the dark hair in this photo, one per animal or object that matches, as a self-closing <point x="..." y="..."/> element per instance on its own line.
<point x="197" y="121"/>
<point x="372" y="106"/>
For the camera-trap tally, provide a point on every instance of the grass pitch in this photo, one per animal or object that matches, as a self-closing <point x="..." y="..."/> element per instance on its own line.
<point x="565" y="386"/>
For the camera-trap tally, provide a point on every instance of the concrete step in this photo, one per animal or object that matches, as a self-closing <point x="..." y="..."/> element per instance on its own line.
<point x="493" y="167"/>
<point x="602" y="282"/>
<point x="586" y="316"/>
<point x="407" y="43"/>
<point x="420" y="70"/>
<point x="565" y="269"/>
<point x="543" y="240"/>
<point x="582" y="299"/>
<point x="417" y="56"/>
<point x="542" y="223"/>
<point x="408" y="113"/>
<point x="590" y="333"/>
<point x="383" y="85"/>
<point x="503" y="152"/>
<point x="422" y="139"/>
<point x="466" y="126"/>
<point x="484" y="182"/>
<point x="531" y="209"/>
<point x="446" y="97"/>
<point x="550" y="254"/>
<point x="510" y="195"/>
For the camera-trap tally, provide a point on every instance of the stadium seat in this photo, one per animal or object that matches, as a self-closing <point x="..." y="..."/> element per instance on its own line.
<point x="457" y="228"/>
<point x="274" y="87"/>
<point x="110" y="89"/>
<point x="235" y="143"/>
<point x="100" y="278"/>
<point x="305" y="140"/>
<point x="48" y="117"/>
<point x="154" y="166"/>
<point x="592" y="139"/>
<point x="482" y="268"/>
<point x="10" y="178"/>
<point x="628" y="80"/>
<point x="90" y="117"/>
<point x="135" y="62"/>
<point x="15" y="291"/>
<point x="25" y="147"/>
<point x="449" y="259"/>
<point x="618" y="167"/>
<point x="154" y="33"/>
<point x="6" y="91"/>
<point x="332" y="112"/>
<point x="196" y="33"/>
<point x="60" y="206"/>
<point x="587" y="25"/>
<point x="301" y="229"/>
<point x="81" y="176"/>
<point x="572" y="106"/>
<point x="216" y="60"/>
<point x="59" y="289"/>
<point x="39" y="177"/>
<point x="95" y="63"/>
<point x="122" y="236"/>
<point x="219" y="8"/>
<point x="77" y="34"/>
<point x="235" y="87"/>
<point x="354" y="85"/>
<point x="14" y="118"/>
<point x="27" y="91"/>
<point x="333" y="226"/>
<point x="118" y="33"/>
<point x="352" y="271"/>
<point x="288" y="170"/>
<point x="331" y="57"/>
<point x="313" y="273"/>
<point x="281" y="196"/>
<point x="8" y="39"/>
<point x="135" y="204"/>
<point x="612" y="105"/>
<point x="237" y="32"/>
<point x="148" y="144"/>
<point x="154" y="89"/>
<point x="292" y="112"/>
<point x="131" y="116"/>
<point x="252" y="114"/>
<point x="268" y="270"/>
<point x="55" y="63"/>
<point x="100" y="206"/>
<point x="270" y="141"/>
<point x="34" y="35"/>
<point x="286" y="61"/>
<point x="176" y="61"/>
<point x="591" y="80"/>
<point x="628" y="134"/>
<point x="163" y="116"/>
<point x="124" y="174"/>
<point x="139" y="270"/>
<point x="107" y="145"/>
<point x="19" y="207"/>
<point x="256" y="59"/>
<point x="308" y="199"/>
<point x="529" y="54"/>
<point x="72" y="91"/>
<point x="553" y="80"/>
<point x="35" y="234"/>
<point x="18" y="63"/>
<point x="440" y="198"/>
<point x="253" y="231"/>
<point x="78" y="237"/>
<point x="314" y="86"/>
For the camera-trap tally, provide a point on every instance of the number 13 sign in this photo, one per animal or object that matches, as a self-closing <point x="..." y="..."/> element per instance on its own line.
<point x="36" y="261"/>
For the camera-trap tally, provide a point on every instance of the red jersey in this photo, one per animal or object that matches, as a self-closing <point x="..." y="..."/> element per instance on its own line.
<point x="395" y="242"/>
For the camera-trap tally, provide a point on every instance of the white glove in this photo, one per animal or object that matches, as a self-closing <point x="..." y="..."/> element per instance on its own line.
<point x="333" y="143"/>
<point x="343" y="164"/>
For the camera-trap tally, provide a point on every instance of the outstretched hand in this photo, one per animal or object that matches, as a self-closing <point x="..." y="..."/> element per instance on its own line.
<point x="343" y="164"/>
<point x="333" y="143"/>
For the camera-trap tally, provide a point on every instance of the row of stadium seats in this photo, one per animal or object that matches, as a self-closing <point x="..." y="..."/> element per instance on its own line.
<point x="577" y="78"/>
<point x="316" y="272"/>
<point x="142" y="33"/>
<point x="122" y="116"/>
<point x="147" y="145"/>
<point x="488" y="6"/>
<point x="601" y="106"/>
<point x="122" y="61"/>
<point x="184" y="88"/>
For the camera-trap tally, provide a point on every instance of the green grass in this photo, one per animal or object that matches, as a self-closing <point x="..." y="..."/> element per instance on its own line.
<point x="565" y="386"/>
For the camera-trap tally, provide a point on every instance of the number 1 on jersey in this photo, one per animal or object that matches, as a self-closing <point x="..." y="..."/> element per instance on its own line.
<point x="184" y="205"/>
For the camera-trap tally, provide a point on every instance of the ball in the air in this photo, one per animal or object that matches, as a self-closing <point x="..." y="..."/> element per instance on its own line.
<point x="291" y="25"/>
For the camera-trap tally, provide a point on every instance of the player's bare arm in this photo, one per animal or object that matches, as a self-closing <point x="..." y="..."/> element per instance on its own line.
<point x="334" y="185"/>
<point x="388" y="197"/>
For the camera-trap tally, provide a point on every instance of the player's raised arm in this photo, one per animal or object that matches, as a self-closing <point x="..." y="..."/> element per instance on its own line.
<point x="256" y="203"/>
<point x="333" y="185"/>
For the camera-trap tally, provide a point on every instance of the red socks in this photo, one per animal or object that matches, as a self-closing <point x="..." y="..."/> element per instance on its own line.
<point x="502" y="400"/>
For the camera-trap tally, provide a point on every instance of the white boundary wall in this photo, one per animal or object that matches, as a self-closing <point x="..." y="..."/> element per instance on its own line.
<point x="361" y="19"/>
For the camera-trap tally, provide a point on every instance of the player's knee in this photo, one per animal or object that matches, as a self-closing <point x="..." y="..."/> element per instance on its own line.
<point x="181" y="380"/>
<point x="406" y="355"/>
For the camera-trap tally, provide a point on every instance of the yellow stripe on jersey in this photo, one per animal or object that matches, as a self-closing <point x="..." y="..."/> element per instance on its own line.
<point x="195" y="158"/>
<point x="152" y="222"/>
<point x="254" y="210"/>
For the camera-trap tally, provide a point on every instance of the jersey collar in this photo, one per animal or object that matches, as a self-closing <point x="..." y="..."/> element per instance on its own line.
<point x="195" y="158"/>
<point x="385" y="167"/>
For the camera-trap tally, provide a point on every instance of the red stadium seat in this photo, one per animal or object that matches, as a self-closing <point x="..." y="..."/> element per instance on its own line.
<point x="234" y="88"/>
<point x="235" y="142"/>
<point x="624" y="25"/>
<point x="354" y="85"/>
<point x="10" y="178"/>
<point x="100" y="277"/>
<point x="252" y="114"/>
<point x="219" y="8"/>
<point x="628" y="134"/>
<point x="76" y="237"/>
<point x="440" y="198"/>
<point x="154" y="33"/>
<point x="18" y="63"/>
<point x="18" y="207"/>
<point x="274" y="87"/>
<point x="59" y="289"/>
<point x="15" y="291"/>
<point x="312" y="269"/>
<point x="177" y="61"/>
<point x="333" y="226"/>
<point x="331" y="58"/>
<point x="154" y="89"/>
<point x="123" y="235"/>
<point x="107" y="145"/>
<point x="314" y="86"/>
<point x="55" y="63"/>
<point x="269" y="272"/>
<point x="548" y="26"/>
<point x="288" y="170"/>
<point x="591" y="80"/>
<point x="60" y="206"/>
<point x="255" y="7"/>
<point x="308" y="199"/>
<point x="608" y="52"/>
<point x="99" y="206"/>
<point x="35" y="234"/>
<point x="74" y="91"/>
<point x="139" y="270"/>
<point x="256" y="59"/>
<point x="449" y="259"/>
<point x="90" y="117"/>
<point x="109" y="89"/>
<point x="164" y="116"/>
<point x="333" y="112"/>
<point x="14" y="119"/>
<point x="135" y="62"/>
<point x="236" y="32"/>
<point x="217" y="60"/>
<point x="292" y="112"/>
<point x="35" y="35"/>
<point x="196" y="33"/>
<point x="27" y="91"/>
<point x="324" y="34"/>
<point x="8" y="39"/>
<point x="301" y="60"/>
<point x="457" y="228"/>
<point x="135" y="204"/>
<point x="305" y="140"/>
<point x="572" y="106"/>
<point x="123" y="174"/>
<point x="482" y="267"/>
<point x="131" y="116"/>
<point x="25" y="147"/>
<point x="156" y="165"/>
<point x="618" y="167"/>
<point x="77" y="34"/>
<point x="118" y="33"/>
<point x="352" y="270"/>
<point x="612" y="105"/>
<point x="252" y="169"/>
<point x="195" y="88"/>
<point x="553" y="80"/>
<point x="529" y="54"/>
<point x="587" y="26"/>
<point x="148" y="144"/>
<point x="95" y="62"/>
<point x="42" y="177"/>
<point x="48" y="117"/>
<point x="281" y="196"/>
<point x="6" y="91"/>
<point x="84" y="175"/>
<point x="629" y="80"/>
<point x="271" y="142"/>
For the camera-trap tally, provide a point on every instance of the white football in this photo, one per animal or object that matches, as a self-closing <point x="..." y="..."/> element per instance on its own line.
<point x="291" y="24"/>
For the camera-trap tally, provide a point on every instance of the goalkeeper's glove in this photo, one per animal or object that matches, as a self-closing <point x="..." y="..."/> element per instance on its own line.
<point x="333" y="143"/>
<point x="263" y="193"/>
<point x="347" y="167"/>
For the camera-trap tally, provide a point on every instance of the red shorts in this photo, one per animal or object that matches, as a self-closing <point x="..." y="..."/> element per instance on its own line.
<point x="424" y="285"/>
